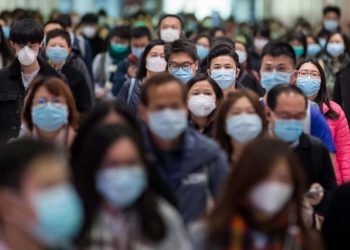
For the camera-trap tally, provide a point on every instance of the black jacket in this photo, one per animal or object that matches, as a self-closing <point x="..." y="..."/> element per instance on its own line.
<point x="342" y="90"/>
<point x="12" y="94"/>
<point x="318" y="166"/>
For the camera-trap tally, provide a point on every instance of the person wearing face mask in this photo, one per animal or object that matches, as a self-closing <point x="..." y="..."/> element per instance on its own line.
<point x="152" y="63"/>
<point x="286" y="114"/>
<point x="25" y="38"/>
<point x="314" y="48"/>
<point x="203" y="44"/>
<point x="6" y="56"/>
<point x="50" y="114"/>
<point x="224" y="68"/>
<point x="170" y="28"/>
<point x="248" y="77"/>
<point x="127" y="69"/>
<point x="335" y="58"/>
<point x="193" y="165"/>
<point x="312" y="81"/>
<point x="331" y="20"/>
<point x="114" y="184"/>
<point x="298" y="41"/>
<point x="261" y="35"/>
<point x="240" y="120"/>
<point x="261" y="205"/>
<point x="57" y="51"/>
<point x="203" y="97"/>
<point x="182" y="59"/>
<point x="39" y="207"/>
<point x="105" y="64"/>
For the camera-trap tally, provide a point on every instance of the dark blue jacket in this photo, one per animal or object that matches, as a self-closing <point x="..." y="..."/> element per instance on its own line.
<point x="120" y="76"/>
<point x="134" y="98"/>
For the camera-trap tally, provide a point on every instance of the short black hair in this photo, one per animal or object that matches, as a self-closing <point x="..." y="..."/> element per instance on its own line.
<point x="26" y="30"/>
<point x="276" y="91"/>
<point x="120" y="31"/>
<point x="279" y="48"/>
<point x="58" y="33"/>
<point x="159" y="80"/>
<point x="223" y="50"/>
<point x="332" y="8"/>
<point x="138" y="32"/>
<point x="65" y="19"/>
<point x="300" y="37"/>
<point x="224" y="40"/>
<point x="181" y="46"/>
<point x="89" y="18"/>
<point x="262" y="30"/>
<point x="174" y="16"/>
<point x="55" y="21"/>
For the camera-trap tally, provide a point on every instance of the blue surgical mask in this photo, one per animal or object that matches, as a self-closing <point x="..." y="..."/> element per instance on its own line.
<point x="335" y="49"/>
<point x="184" y="75"/>
<point x="272" y="79"/>
<point x="137" y="51"/>
<point x="6" y="31"/>
<point x="322" y="42"/>
<point x="242" y="56"/>
<point x="225" y="78"/>
<point x="331" y="25"/>
<point x="50" y="116"/>
<point x="288" y="130"/>
<point x="310" y="86"/>
<point x="168" y="124"/>
<point x="313" y="49"/>
<point x="59" y="213"/>
<point x="122" y="185"/>
<point x="202" y="51"/>
<point x="57" y="55"/>
<point x="244" y="127"/>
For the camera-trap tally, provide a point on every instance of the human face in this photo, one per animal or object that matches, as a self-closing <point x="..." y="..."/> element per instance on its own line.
<point x="204" y="42"/>
<point x="140" y="42"/>
<point x="117" y="39"/>
<point x="310" y="40"/>
<point x="33" y="46"/>
<point x="43" y="96"/>
<point x="52" y="26"/>
<point x="331" y="16"/>
<point x="240" y="47"/>
<point x="58" y="42"/>
<point x="279" y="63"/>
<point x="183" y="60"/>
<point x="223" y="62"/>
<point x="171" y="23"/>
<point x="156" y="51"/>
<point x="242" y="105"/>
<point x="280" y="173"/>
<point x="336" y="38"/>
<point x="201" y="88"/>
<point x="309" y="69"/>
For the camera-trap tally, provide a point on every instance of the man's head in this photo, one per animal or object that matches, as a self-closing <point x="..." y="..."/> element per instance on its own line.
<point x="119" y="39"/>
<point x="58" y="46"/>
<point x="181" y="56"/>
<point x="140" y="37"/>
<point x="52" y="25"/>
<point x="89" y="25"/>
<point x="170" y="28"/>
<point x="331" y="18"/>
<point x="286" y="111"/>
<point x="277" y="64"/>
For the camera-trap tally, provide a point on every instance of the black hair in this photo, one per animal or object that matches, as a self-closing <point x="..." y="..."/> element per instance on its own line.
<point x="171" y="15"/>
<point x="16" y="157"/>
<point x="181" y="46"/>
<point x="138" y="32"/>
<point x="89" y="18"/>
<point x="55" y="21"/>
<point x="224" y="40"/>
<point x="65" y="19"/>
<point x="332" y="8"/>
<point x="277" y="48"/>
<point x="300" y="37"/>
<point x="94" y="150"/>
<point x="276" y="91"/>
<point x="223" y="50"/>
<point x="195" y="40"/>
<point x="120" y="31"/>
<point x="262" y="30"/>
<point x="142" y="71"/>
<point x="7" y="55"/>
<point x="214" y="30"/>
<point x="26" y="30"/>
<point x="58" y="33"/>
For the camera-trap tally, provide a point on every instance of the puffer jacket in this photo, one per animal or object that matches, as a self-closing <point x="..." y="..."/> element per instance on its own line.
<point x="341" y="136"/>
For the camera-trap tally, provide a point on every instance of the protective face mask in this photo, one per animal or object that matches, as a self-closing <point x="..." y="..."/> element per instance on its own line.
<point x="50" y="116"/>
<point x="122" y="185"/>
<point x="168" y="124"/>
<point x="322" y="42"/>
<point x="201" y="105"/>
<point x="242" y="56"/>
<point x="225" y="78"/>
<point x="26" y="56"/>
<point x="59" y="214"/>
<point x="89" y="31"/>
<point x="169" y="35"/>
<point x="57" y="55"/>
<point x="156" y="64"/>
<point x="202" y="51"/>
<point x="272" y="79"/>
<point x="335" y="49"/>
<point x="260" y="43"/>
<point x="331" y="25"/>
<point x="308" y="85"/>
<point x="313" y="49"/>
<point x="184" y="75"/>
<point x="6" y="31"/>
<point x="288" y="130"/>
<point x="137" y="51"/>
<point x="298" y="50"/>
<point x="269" y="197"/>
<point x="244" y="127"/>
<point x="119" y="48"/>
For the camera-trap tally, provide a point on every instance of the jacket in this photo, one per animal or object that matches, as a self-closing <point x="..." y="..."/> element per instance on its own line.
<point x="135" y="93"/>
<point x="199" y="175"/>
<point x="341" y="135"/>
<point x="121" y="76"/>
<point x="12" y="95"/>
<point x="342" y="90"/>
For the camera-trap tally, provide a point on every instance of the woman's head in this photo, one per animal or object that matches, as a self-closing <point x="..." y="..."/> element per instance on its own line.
<point x="313" y="47"/>
<point x="242" y="52"/>
<point x="152" y="59"/>
<point x="58" y="46"/>
<point x="203" y="44"/>
<point x="50" y="105"/>
<point x="337" y="45"/>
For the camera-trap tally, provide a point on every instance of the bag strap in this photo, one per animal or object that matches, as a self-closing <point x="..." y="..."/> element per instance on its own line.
<point x="131" y="88"/>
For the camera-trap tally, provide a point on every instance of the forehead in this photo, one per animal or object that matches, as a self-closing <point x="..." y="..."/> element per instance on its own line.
<point x="57" y="39"/>
<point x="309" y="66"/>
<point x="180" y="57"/>
<point x="52" y="26"/>
<point x="122" y="148"/>
<point x="202" y="85"/>
<point x="157" y="49"/>
<point x="336" y="37"/>
<point x="290" y="102"/>
<point x="223" y="60"/>
<point x="242" y="102"/>
<point x="203" y="40"/>
<point x="170" y="90"/>
<point x="170" y="21"/>
<point x="240" y="46"/>
<point x="277" y="60"/>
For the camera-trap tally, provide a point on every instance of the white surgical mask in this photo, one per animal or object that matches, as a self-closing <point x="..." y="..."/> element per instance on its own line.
<point x="201" y="105"/>
<point x="259" y="43"/>
<point x="169" y="35"/>
<point x="26" y="56"/>
<point x="155" y="64"/>
<point x="89" y="31"/>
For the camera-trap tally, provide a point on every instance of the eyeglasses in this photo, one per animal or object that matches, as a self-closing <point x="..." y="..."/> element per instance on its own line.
<point x="314" y="75"/>
<point x="175" y="67"/>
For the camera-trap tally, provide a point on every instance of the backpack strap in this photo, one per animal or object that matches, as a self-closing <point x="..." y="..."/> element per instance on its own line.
<point x="131" y="89"/>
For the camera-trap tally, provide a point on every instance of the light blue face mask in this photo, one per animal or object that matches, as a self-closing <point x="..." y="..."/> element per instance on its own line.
<point x="331" y="25"/>
<point x="272" y="79"/>
<point x="6" y="31"/>
<point x="57" y="55"/>
<point x="121" y="185"/>
<point x="225" y="78"/>
<point x="184" y="75"/>
<point x="202" y="51"/>
<point x="288" y="130"/>
<point x="137" y="51"/>
<point x="335" y="49"/>
<point x="242" y="56"/>
<point x="244" y="127"/>
<point x="310" y="86"/>
<point x="313" y="49"/>
<point x="59" y="214"/>
<point x="322" y="42"/>
<point x="168" y="124"/>
<point x="50" y="116"/>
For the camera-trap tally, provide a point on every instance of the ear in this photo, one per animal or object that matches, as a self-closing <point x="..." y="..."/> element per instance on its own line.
<point x="143" y="113"/>
<point x="237" y="72"/>
<point x="196" y="67"/>
<point x="12" y="44"/>
<point x="208" y="72"/>
<point x="294" y="77"/>
<point x="268" y="114"/>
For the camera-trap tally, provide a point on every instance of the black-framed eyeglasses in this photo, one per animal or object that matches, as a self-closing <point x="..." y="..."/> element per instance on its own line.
<point x="184" y="66"/>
